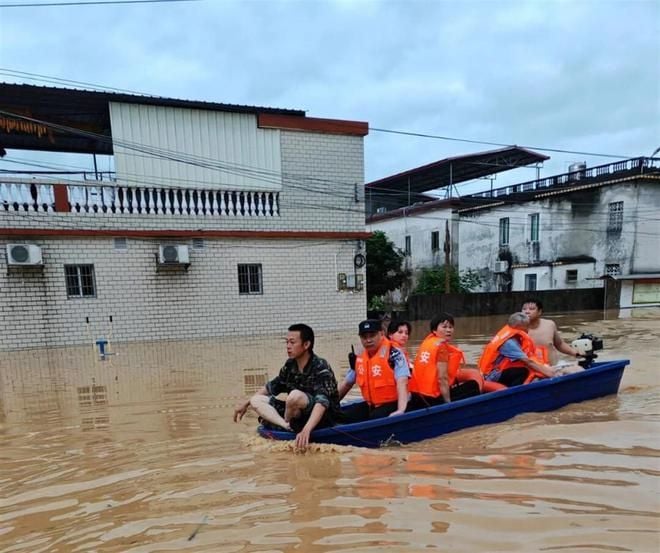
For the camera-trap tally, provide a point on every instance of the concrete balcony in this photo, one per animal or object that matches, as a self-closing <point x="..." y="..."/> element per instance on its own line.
<point x="107" y="197"/>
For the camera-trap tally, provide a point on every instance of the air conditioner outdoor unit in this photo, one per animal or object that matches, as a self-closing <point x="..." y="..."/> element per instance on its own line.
<point x="24" y="254"/>
<point x="173" y="254"/>
<point x="501" y="266"/>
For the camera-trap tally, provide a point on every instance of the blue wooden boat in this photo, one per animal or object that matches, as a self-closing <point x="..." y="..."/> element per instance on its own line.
<point x="600" y="379"/>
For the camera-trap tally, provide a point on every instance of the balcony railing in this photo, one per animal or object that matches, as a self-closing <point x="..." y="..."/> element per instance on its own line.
<point x="635" y="166"/>
<point x="17" y="195"/>
<point x="32" y="195"/>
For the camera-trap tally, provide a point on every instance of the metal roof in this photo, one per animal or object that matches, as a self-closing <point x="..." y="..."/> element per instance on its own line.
<point x="84" y="110"/>
<point x="453" y="170"/>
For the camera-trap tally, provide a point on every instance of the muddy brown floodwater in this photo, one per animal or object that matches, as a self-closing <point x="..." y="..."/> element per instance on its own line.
<point x="138" y="454"/>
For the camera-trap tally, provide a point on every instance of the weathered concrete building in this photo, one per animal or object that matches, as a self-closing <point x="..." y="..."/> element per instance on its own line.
<point x="567" y="231"/>
<point x="415" y="221"/>
<point x="218" y="220"/>
<point x="560" y="232"/>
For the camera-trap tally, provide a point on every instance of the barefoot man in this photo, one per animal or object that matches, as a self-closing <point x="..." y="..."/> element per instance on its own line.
<point x="312" y="399"/>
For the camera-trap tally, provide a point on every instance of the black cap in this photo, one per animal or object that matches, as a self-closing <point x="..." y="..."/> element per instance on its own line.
<point x="370" y="325"/>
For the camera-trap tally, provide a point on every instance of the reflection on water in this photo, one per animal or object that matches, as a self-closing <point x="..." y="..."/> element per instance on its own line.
<point x="137" y="453"/>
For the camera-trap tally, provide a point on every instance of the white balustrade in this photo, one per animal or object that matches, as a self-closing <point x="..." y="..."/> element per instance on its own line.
<point x="223" y="204"/>
<point x="98" y="198"/>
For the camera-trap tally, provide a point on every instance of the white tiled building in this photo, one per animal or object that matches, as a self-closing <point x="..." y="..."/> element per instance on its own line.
<point x="263" y="206"/>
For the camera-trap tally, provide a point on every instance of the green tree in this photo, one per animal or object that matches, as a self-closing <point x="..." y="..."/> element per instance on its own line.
<point x="470" y="280"/>
<point x="384" y="266"/>
<point x="431" y="280"/>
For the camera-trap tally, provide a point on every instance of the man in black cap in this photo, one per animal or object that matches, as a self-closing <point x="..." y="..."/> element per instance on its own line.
<point x="382" y="373"/>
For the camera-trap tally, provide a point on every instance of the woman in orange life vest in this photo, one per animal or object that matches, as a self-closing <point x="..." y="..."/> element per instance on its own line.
<point x="398" y="332"/>
<point x="464" y="374"/>
<point x="437" y="363"/>
<point x="381" y="372"/>
<point x="511" y="357"/>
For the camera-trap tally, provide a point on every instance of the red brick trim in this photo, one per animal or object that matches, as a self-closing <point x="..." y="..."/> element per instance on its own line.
<point x="312" y="124"/>
<point x="61" y="194"/>
<point x="187" y="234"/>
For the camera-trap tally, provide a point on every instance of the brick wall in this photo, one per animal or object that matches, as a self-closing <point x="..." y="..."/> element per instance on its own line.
<point x="299" y="284"/>
<point x="299" y="276"/>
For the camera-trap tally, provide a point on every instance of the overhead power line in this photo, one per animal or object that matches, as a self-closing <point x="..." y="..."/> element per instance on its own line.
<point x="302" y="182"/>
<point x="46" y="78"/>
<point x="57" y="80"/>
<point x="90" y="3"/>
<point x="500" y="144"/>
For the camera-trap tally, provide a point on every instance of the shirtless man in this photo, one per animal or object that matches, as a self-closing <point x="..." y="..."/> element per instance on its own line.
<point x="544" y="332"/>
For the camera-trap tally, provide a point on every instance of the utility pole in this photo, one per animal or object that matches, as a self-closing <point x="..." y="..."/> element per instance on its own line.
<point x="447" y="248"/>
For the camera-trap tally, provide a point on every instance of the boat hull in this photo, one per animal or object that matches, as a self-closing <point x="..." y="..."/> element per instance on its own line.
<point x="601" y="379"/>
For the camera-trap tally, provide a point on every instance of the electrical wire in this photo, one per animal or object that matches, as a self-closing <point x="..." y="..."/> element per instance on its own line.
<point x="56" y="80"/>
<point x="35" y="76"/>
<point x="501" y="144"/>
<point x="260" y="174"/>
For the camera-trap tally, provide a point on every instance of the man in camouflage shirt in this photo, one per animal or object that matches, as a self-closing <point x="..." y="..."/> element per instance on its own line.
<point x="311" y="387"/>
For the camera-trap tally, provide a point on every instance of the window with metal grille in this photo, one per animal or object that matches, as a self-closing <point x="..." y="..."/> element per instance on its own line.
<point x="121" y="244"/>
<point x="612" y="269"/>
<point x="615" y="221"/>
<point x="253" y="380"/>
<point x="250" y="279"/>
<point x="435" y="240"/>
<point x="534" y="227"/>
<point x="89" y="396"/>
<point x="80" y="281"/>
<point x="504" y="231"/>
<point x="198" y="243"/>
<point x="408" y="246"/>
<point x="571" y="275"/>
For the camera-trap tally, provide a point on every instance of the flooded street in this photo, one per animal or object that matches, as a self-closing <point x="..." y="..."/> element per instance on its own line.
<point x="139" y="454"/>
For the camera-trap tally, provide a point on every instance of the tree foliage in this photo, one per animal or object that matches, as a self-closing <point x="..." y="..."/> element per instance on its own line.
<point x="384" y="266"/>
<point x="432" y="281"/>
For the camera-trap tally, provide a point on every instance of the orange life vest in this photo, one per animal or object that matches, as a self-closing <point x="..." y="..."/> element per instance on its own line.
<point x="425" y="379"/>
<point x="375" y="376"/>
<point x="492" y="352"/>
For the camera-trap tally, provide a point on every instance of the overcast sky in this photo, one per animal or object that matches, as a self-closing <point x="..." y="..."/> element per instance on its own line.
<point x="576" y="75"/>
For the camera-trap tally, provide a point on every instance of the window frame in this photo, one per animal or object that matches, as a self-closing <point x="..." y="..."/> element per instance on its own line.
<point x="534" y="227"/>
<point x="615" y="217"/>
<point x="407" y="245"/>
<point x="612" y="269"/>
<point x="245" y="287"/>
<point x="504" y="226"/>
<point x="529" y="278"/>
<point x="571" y="276"/>
<point x="80" y="287"/>
<point x="435" y="240"/>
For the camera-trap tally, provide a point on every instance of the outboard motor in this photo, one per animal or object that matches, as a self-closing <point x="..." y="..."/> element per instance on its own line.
<point x="586" y="346"/>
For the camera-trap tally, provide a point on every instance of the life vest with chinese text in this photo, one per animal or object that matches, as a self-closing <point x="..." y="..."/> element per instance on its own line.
<point x="425" y="379"/>
<point x="375" y="376"/>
